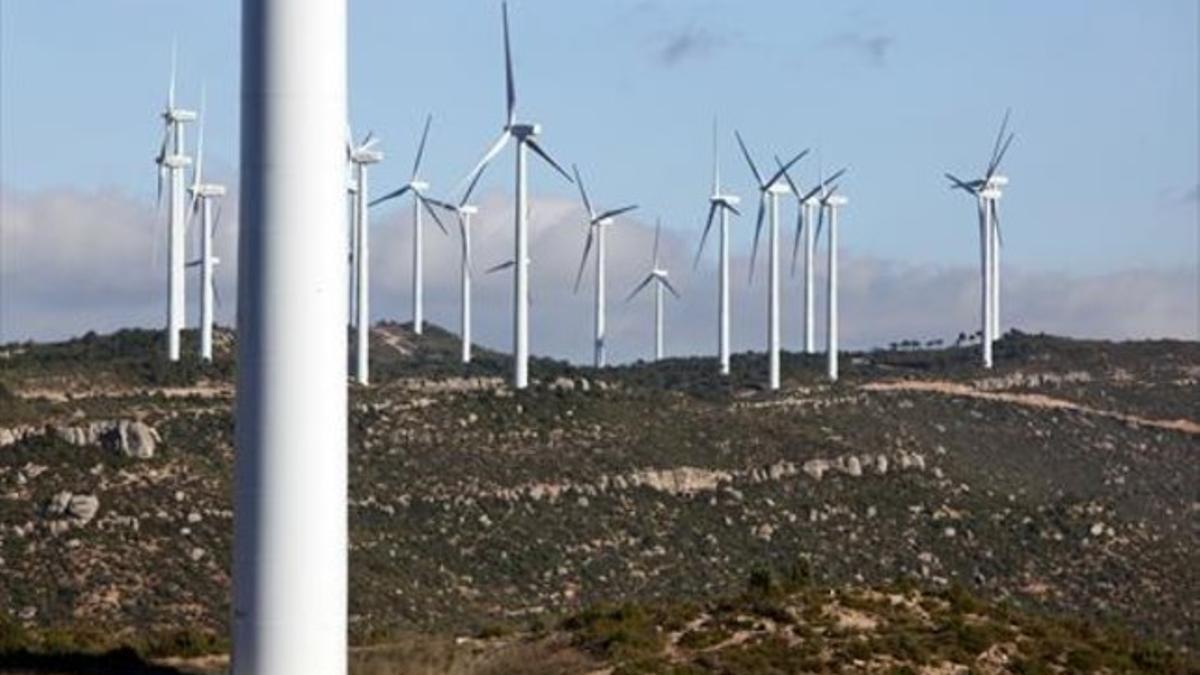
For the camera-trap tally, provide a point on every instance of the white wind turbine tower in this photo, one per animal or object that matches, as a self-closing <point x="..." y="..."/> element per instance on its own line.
<point x="724" y="203"/>
<point x="203" y="195"/>
<point x="290" y="543"/>
<point x="657" y="276"/>
<point x="525" y="135"/>
<point x="597" y="224"/>
<point x="172" y="160"/>
<point x="987" y="192"/>
<point x="464" y="210"/>
<point x="832" y="202"/>
<point x="361" y="157"/>
<point x="417" y="187"/>
<point x="808" y="203"/>
<point x="769" y="189"/>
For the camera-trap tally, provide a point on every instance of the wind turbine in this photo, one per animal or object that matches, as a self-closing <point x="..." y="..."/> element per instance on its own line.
<point x="203" y="195"/>
<point x="987" y="192"/>
<point x="769" y="190"/>
<point x="172" y="160"/>
<point x="361" y="157"/>
<point x="808" y="203"/>
<point x="720" y="202"/>
<point x="417" y="187"/>
<point x="464" y="210"/>
<point x="832" y="202"/>
<point x="525" y="135"/>
<point x="597" y="224"/>
<point x="658" y="277"/>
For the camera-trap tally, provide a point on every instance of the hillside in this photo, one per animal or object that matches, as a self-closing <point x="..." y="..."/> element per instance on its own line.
<point x="1064" y="483"/>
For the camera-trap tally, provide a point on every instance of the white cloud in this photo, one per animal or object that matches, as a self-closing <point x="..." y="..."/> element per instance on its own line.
<point x="74" y="261"/>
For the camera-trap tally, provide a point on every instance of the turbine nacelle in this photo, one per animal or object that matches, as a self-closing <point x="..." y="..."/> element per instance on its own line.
<point x="208" y="190"/>
<point x="779" y="188"/>
<point x="179" y="115"/>
<point x="836" y="201"/>
<point x="468" y="209"/>
<point x="728" y="200"/>
<point x="998" y="181"/>
<point x="990" y="193"/>
<point x="176" y="161"/>
<point x="524" y="131"/>
<point x="365" y="156"/>
<point x="418" y="185"/>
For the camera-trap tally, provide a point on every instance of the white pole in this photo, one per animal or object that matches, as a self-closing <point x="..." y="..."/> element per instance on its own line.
<point x="809" y="288"/>
<point x="658" y="320"/>
<point x="773" y="297"/>
<point x="832" y="304"/>
<point x="465" y="330"/>
<point x="723" y="301"/>
<point x="995" y="229"/>
<point x="362" y="282"/>
<point x="418" y="270"/>
<point x="176" y="239"/>
<point x="206" y="281"/>
<point x="290" y="548"/>
<point x="353" y="258"/>
<point x="986" y="288"/>
<point x="521" y="280"/>
<point x="598" y="345"/>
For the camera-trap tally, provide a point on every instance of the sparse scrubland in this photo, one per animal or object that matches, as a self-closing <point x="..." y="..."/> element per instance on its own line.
<point x="921" y="515"/>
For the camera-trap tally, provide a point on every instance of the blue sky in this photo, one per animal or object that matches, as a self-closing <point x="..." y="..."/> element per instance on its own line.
<point x="1104" y="95"/>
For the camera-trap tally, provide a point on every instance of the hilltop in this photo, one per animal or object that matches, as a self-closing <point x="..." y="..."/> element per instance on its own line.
<point x="1062" y="484"/>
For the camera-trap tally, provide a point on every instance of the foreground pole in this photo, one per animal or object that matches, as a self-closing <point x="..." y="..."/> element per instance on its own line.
<point x="290" y="513"/>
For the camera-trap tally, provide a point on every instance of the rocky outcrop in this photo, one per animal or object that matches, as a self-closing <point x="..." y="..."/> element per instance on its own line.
<point x="131" y="438"/>
<point x="66" y="510"/>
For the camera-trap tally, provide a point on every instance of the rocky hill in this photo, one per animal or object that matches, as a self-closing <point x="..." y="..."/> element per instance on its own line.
<point x="1063" y="483"/>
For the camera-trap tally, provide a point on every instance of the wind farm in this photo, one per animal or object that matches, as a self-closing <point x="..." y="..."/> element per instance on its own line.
<point x="365" y="451"/>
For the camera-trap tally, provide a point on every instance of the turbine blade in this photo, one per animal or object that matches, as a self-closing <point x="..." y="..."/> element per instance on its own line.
<point x="712" y="211"/>
<point x="783" y="168"/>
<point x="217" y="294"/>
<point x="957" y="183"/>
<point x="787" y="176"/>
<point x="657" y="236"/>
<point x="471" y="188"/>
<point x="716" y="166"/>
<point x="757" y="232"/>
<point x="999" y="139"/>
<point x="587" y="248"/>
<point x="665" y="282"/>
<point x="587" y="203"/>
<point x="391" y="195"/>
<point x="836" y="175"/>
<point x="749" y="160"/>
<point x="429" y="209"/>
<point x="796" y="241"/>
<point x="197" y="173"/>
<point x="421" y="147"/>
<point x="511" y="88"/>
<point x="502" y="266"/>
<point x="171" y="85"/>
<point x="730" y="207"/>
<point x="349" y="142"/>
<point x="613" y="213"/>
<point x="820" y="220"/>
<point x="1003" y="150"/>
<point x="488" y="156"/>
<point x="645" y="282"/>
<point x="542" y="153"/>
<point x="441" y="204"/>
<point x="158" y="199"/>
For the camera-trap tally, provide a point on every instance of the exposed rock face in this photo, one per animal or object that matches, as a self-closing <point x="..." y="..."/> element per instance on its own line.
<point x="66" y="510"/>
<point x="131" y="438"/>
